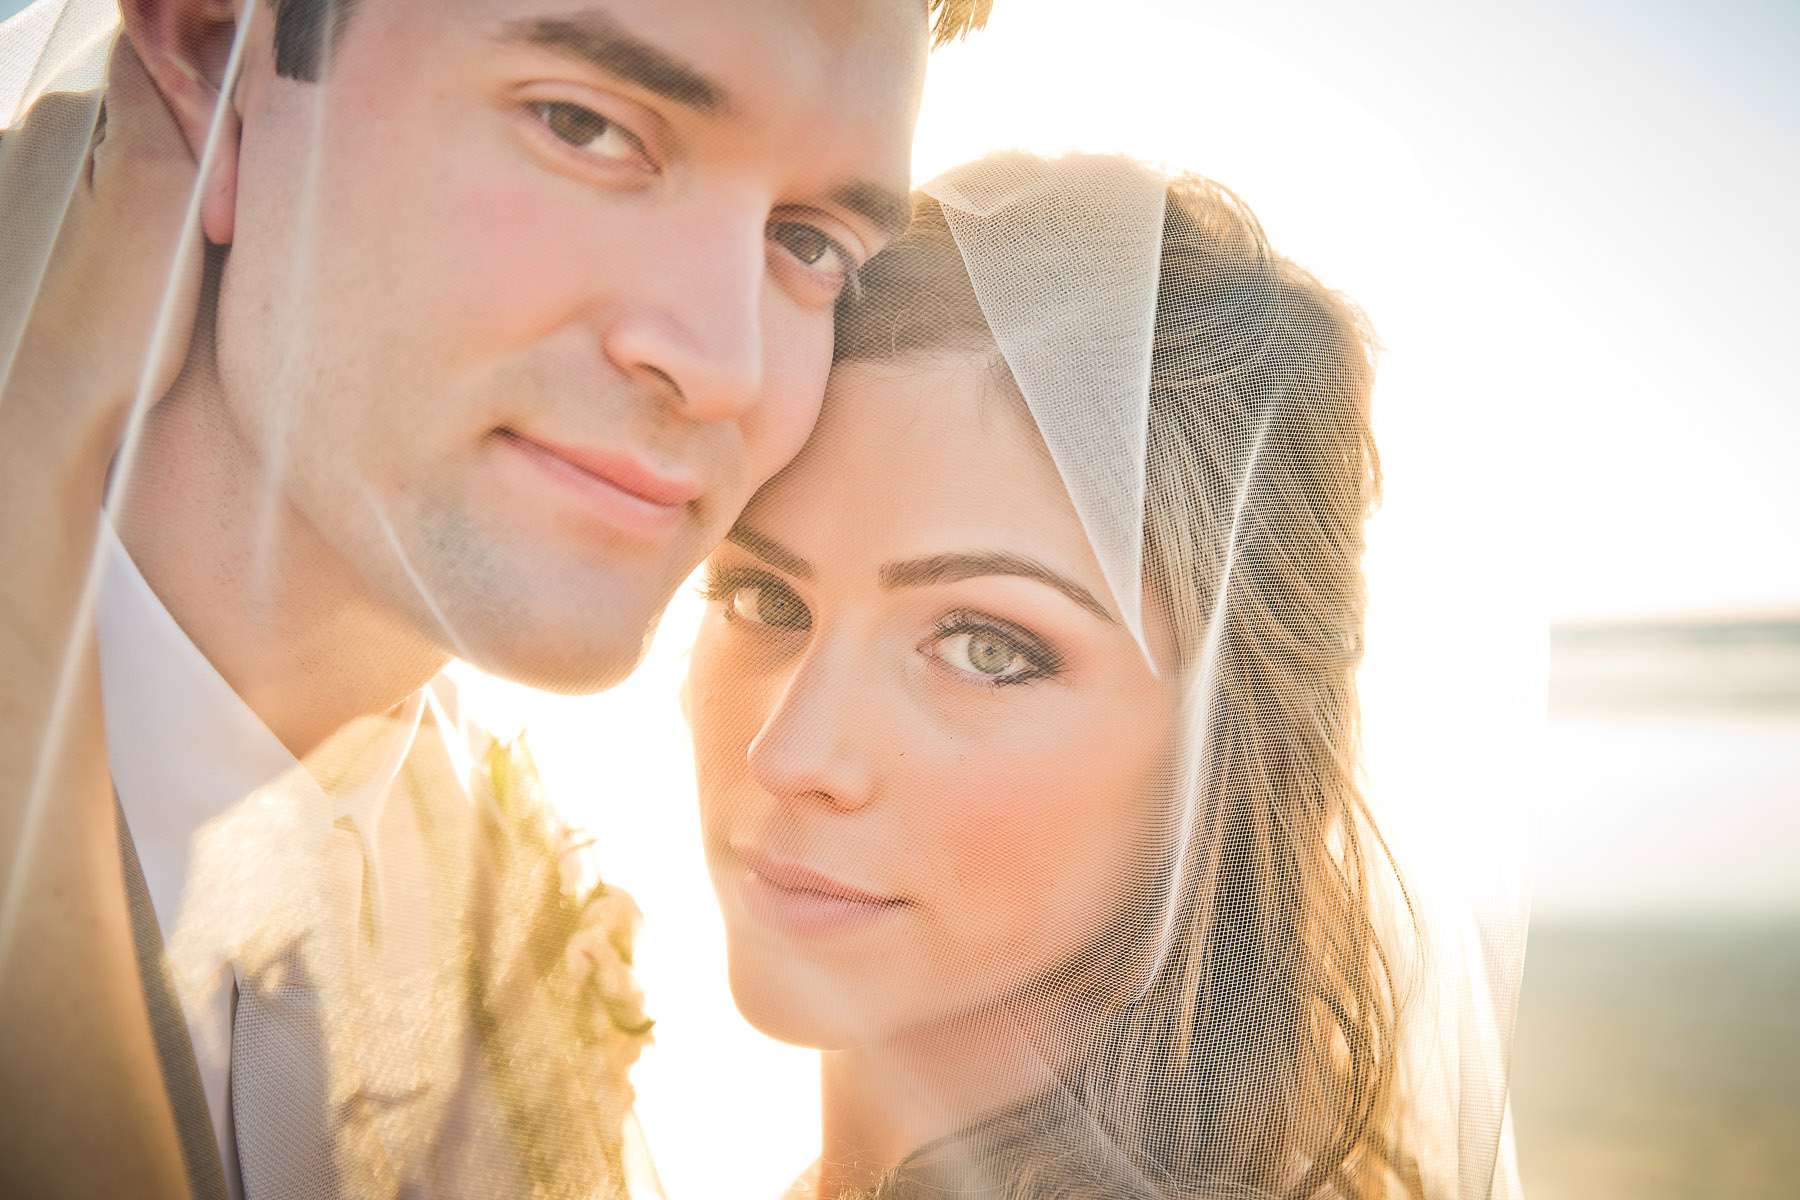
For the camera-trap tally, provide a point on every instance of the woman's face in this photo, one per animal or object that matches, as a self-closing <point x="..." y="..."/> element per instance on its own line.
<point x="926" y="742"/>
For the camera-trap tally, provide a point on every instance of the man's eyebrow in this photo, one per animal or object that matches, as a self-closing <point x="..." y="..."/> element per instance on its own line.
<point x="948" y="568"/>
<point x="769" y="550"/>
<point x="890" y="211"/>
<point x="595" y="38"/>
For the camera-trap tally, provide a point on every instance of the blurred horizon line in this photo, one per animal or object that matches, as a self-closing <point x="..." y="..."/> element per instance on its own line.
<point x="1693" y="665"/>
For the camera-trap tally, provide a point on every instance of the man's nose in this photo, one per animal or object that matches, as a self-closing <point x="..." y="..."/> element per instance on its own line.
<point x="693" y="321"/>
<point x="814" y="746"/>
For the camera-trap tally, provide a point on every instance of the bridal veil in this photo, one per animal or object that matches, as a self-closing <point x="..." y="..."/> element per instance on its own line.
<point x="1308" y="986"/>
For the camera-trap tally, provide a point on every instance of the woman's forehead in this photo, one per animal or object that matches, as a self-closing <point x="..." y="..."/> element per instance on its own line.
<point x="925" y="456"/>
<point x="914" y="401"/>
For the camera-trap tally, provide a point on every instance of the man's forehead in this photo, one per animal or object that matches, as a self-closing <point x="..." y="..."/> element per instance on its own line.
<point x="871" y="50"/>
<point x="822" y="76"/>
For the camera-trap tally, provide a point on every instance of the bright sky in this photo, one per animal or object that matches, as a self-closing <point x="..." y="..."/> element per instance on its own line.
<point x="1570" y="222"/>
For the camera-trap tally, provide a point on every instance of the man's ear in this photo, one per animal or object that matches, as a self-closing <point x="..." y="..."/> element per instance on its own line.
<point x="185" y="46"/>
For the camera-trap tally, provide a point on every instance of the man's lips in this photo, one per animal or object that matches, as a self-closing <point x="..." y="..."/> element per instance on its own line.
<point x="624" y="471"/>
<point x="614" y="488"/>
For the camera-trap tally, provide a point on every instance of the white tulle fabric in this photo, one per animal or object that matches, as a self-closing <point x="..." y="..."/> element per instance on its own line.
<point x="1067" y="262"/>
<point x="1068" y="347"/>
<point x="1108" y="340"/>
<point x="51" y="46"/>
<point x="394" y="1033"/>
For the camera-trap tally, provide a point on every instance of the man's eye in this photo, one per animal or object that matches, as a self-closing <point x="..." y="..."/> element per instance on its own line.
<point x="586" y="130"/>
<point x="816" y="250"/>
<point x="803" y="241"/>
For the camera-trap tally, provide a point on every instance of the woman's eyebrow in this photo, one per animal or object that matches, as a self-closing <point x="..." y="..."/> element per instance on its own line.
<point x="769" y="550"/>
<point x="948" y="568"/>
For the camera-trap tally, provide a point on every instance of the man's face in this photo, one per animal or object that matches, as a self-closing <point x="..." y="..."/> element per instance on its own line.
<point x="526" y="298"/>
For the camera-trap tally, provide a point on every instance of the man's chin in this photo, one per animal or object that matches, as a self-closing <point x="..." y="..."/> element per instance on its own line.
<point x="581" y="662"/>
<point x="568" y="676"/>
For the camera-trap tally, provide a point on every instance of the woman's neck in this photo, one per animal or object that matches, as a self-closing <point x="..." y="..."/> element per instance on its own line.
<point x="880" y="1103"/>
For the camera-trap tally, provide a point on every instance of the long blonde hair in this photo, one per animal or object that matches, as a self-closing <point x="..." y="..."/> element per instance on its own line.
<point x="1260" y="1058"/>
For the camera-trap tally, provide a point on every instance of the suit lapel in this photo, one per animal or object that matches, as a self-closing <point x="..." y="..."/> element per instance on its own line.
<point x="168" y="1027"/>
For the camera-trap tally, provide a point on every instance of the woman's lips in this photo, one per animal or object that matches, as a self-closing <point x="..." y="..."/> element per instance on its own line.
<point x="616" y="488"/>
<point x="801" y="900"/>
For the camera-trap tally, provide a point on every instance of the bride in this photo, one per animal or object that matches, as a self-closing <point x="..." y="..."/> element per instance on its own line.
<point x="1026" y="723"/>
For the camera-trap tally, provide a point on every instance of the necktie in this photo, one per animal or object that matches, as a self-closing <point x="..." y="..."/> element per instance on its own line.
<point x="168" y="1028"/>
<point x="281" y="1070"/>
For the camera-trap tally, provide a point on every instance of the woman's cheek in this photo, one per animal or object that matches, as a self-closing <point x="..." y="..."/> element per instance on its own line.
<point x="1031" y="848"/>
<point x="725" y="712"/>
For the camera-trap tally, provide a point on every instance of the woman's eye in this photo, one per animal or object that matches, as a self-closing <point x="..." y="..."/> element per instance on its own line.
<point x="986" y="653"/>
<point x="768" y="604"/>
<point x="587" y="131"/>
<point x="818" y="251"/>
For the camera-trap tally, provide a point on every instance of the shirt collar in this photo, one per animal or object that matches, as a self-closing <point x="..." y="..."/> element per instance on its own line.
<point x="185" y="748"/>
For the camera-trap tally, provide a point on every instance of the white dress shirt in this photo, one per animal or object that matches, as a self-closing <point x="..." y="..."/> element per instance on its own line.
<point x="185" y="750"/>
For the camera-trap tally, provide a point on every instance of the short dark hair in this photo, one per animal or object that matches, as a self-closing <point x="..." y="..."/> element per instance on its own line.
<point x="305" y="30"/>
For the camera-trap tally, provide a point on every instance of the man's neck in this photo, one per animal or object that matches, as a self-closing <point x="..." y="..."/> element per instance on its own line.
<point x="274" y="609"/>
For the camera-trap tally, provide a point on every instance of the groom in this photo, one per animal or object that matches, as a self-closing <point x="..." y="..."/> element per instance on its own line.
<point x="508" y="307"/>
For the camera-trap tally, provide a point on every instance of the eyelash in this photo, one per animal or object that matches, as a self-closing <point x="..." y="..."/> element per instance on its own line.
<point x="547" y="113"/>
<point x="840" y="285"/>
<point x="1046" y="662"/>
<point x="722" y="584"/>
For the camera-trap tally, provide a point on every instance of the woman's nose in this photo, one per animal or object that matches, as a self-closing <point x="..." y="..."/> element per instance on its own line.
<point x="815" y="745"/>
